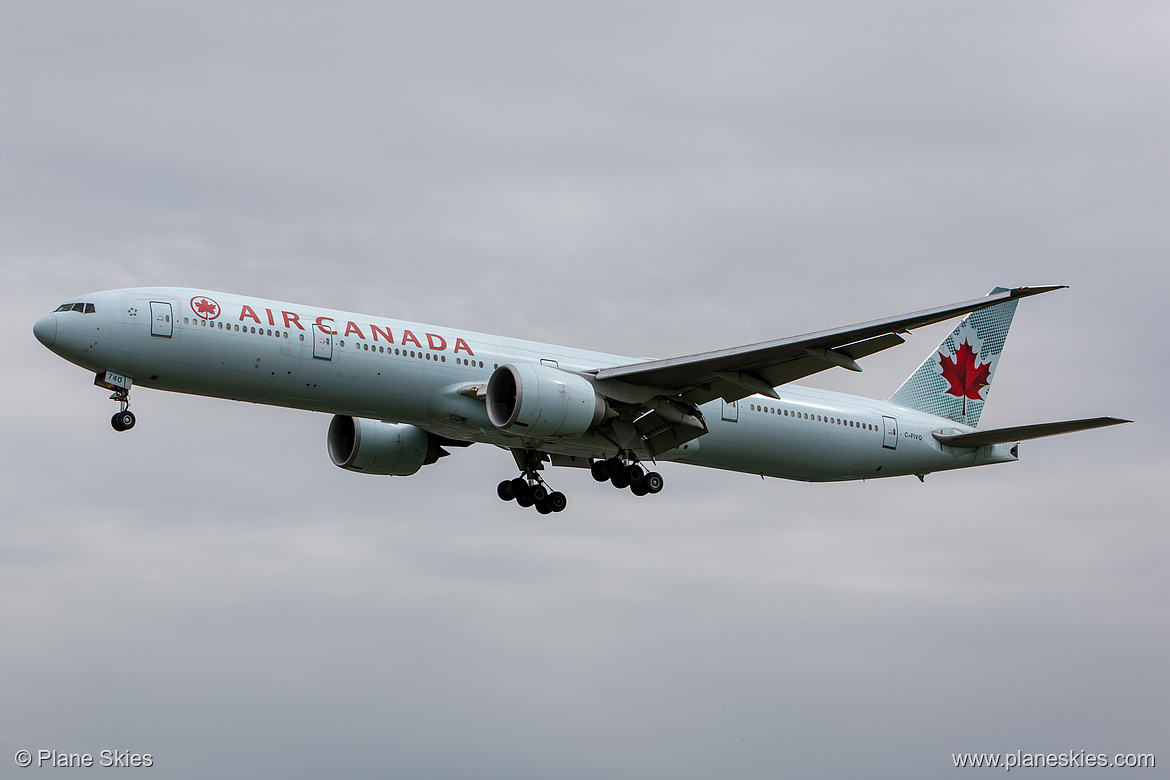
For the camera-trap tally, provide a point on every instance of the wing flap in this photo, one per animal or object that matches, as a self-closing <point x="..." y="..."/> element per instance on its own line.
<point x="1024" y="432"/>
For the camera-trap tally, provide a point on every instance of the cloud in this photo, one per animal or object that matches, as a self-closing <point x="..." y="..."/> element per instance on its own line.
<point x="646" y="179"/>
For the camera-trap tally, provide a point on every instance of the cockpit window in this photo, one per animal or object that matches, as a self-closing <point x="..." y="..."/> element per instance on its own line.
<point x="84" y="308"/>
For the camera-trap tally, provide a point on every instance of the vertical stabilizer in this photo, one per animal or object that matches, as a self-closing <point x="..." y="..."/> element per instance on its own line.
<point x="955" y="380"/>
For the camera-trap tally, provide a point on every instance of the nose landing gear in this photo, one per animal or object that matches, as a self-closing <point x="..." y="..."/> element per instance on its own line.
<point x="124" y="419"/>
<point x="120" y="384"/>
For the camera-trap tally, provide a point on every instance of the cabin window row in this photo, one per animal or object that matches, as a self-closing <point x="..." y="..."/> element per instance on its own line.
<point x="238" y="328"/>
<point x="812" y="417"/>
<point x="421" y="355"/>
<point x="395" y="351"/>
<point x="199" y="322"/>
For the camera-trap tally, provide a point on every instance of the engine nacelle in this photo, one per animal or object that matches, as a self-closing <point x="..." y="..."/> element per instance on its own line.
<point x="374" y="447"/>
<point x="538" y="400"/>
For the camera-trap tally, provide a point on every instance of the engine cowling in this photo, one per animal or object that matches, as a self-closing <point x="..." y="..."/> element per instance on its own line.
<point x="375" y="447"/>
<point x="538" y="400"/>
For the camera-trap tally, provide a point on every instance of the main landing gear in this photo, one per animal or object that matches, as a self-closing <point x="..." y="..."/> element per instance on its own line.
<point x="531" y="490"/>
<point x="123" y="420"/>
<point x="626" y="472"/>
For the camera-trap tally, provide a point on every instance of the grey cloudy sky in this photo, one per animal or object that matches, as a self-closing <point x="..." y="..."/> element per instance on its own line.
<point x="644" y="178"/>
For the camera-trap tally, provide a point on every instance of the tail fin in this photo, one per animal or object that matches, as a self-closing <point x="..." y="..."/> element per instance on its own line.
<point x="955" y="380"/>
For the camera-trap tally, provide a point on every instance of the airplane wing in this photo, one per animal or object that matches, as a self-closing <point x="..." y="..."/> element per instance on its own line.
<point x="671" y="390"/>
<point x="738" y="372"/>
<point x="1024" y="432"/>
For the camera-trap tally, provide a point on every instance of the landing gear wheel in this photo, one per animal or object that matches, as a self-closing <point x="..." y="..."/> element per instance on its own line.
<point x="597" y="469"/>
<point x="539" y="494"/>
<point x="122" y="421"/>
<point x="639" y="488"/>
<point x="614" y="467"/>
<point x="635" y="473"/>
<point x="557" y="501"/>
<point x="520" y="489"/>
<point x="524" y="501"/>
<point x="620" y="481"/>
<point x="543" y="507"/>
<point x="653" y="482"/>
<point x="504" y="490"/>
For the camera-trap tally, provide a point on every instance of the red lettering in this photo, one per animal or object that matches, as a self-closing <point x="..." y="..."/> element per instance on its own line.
<point x="375" y="330"/>
<point x="270" y="320"/>
<point x="408" y="336"/>
<point x="291" y="319"/>
<point x="432" y="338"/>
<point x="320" y="321"/>
<point x="351" y="328"/>
<point x="247" y="312"/>
<point x="461" y="344"/>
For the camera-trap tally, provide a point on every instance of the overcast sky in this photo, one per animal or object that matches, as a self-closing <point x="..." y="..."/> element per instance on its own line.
<point x="643" y="178"/>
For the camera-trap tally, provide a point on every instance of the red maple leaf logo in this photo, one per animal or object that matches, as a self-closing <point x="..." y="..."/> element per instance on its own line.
<point x="965" y="376"/>
<point x="205" y="307"/>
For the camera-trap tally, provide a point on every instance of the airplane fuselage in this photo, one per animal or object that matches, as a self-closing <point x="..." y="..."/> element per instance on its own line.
<point x="271" y="352"/>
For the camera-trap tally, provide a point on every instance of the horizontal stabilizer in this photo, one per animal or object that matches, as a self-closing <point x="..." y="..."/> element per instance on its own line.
<point x="1024" y="432"/>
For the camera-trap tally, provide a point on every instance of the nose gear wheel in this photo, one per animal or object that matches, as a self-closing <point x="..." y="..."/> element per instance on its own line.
<point x="123" y="420"/>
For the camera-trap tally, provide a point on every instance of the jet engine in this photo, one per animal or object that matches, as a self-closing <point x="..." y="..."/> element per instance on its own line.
<point x="374" y="447"/>
<point x="538" y="400"/>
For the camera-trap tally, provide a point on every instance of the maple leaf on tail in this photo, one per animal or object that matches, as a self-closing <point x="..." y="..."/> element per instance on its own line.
<point x="965" y="377"/>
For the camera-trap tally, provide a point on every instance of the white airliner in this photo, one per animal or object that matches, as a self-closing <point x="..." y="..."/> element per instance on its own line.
<point x="401" y="391"/>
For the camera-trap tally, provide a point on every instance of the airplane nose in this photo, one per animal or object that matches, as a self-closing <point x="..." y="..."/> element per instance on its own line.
<point x="46" y="330"/>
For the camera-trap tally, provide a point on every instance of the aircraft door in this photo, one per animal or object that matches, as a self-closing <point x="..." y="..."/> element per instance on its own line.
<point x="890" y="441"/>
<point x="161" y="323"/>
<point x="731" y="411"/>
<point x="322" y="343"/>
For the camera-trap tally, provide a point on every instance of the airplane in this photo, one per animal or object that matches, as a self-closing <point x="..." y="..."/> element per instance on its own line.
<point x="401" y="392"/>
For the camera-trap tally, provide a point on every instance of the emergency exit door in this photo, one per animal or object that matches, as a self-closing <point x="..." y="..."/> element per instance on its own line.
<point x="160" y="319"/>
<point x="890" y="441"/>
<point x="322" y="343"/>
